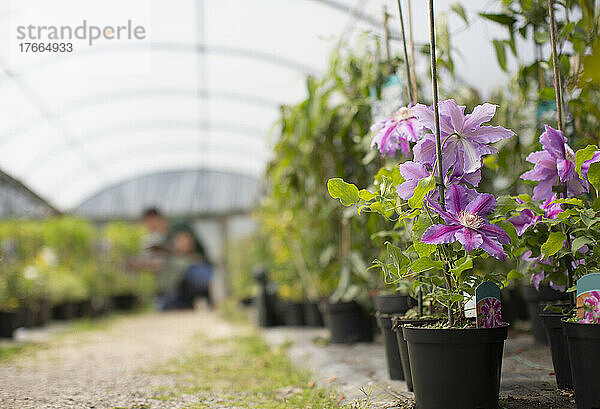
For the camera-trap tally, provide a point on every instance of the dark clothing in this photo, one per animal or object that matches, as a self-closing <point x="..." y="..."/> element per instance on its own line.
<point x="195" y="283"/>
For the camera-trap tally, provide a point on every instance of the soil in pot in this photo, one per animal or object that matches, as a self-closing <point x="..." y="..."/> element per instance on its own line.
<point x="312" y="314"/>
<point x="558" y="346"/>
<point x="534" y="299"/>
<point x="393" y="303"/>
<point x="392" y="353"/>
<point x="348" y="323"/>
<point x="293" y="314"/>
<point x="398" y="321"/>
<point x="456" y="368"/>
<point x="9" y="322"/>
<point x="584" y="352"/>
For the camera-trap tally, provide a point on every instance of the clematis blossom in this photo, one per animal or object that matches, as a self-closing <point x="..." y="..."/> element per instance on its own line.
<point x="413" y="172"/>
<point x="466" y="139"/>
<point x="526" y="218"/>
<point x="555" y="164"/>
<point x="465" y="218"/>
<point x="396" y="132"/>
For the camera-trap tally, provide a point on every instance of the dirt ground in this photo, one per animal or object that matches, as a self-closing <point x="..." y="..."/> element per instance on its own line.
<point x="105" y="367"/>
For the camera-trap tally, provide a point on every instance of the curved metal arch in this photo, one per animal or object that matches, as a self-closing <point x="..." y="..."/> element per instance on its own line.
<point x="130" y="127"/>
<point x="200" y="48"/>
<point x="5" y="178"/>
<point x="135" y="93"/>
<point x="168" y="150"/>
<point x="113" y="189"/>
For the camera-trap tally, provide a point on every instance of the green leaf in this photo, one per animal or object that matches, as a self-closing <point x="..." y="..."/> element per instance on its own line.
<point x="425" y="263"/>
<point x="514" y="275"/>
<point x="462" y="265"/>
<point x="460" y="10"/>
<point x="505" y="204"/>
<point x="500" y="53"/>
<point x="424" y="186"/>
<point x="583" y="155"/>
<point x="366" y="195"/>
<point x="553" y="244"/>
<point x="422" y="249"/>
<point x="594" y="176"/>
<point x="580" y="241"/>
<point x="503" y="19"/>
<point x="346" y="192"/>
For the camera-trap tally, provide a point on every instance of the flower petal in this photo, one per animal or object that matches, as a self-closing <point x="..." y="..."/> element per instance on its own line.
<point x="553" y="141"/>
<point x="456" y="199"/>
<point x="455" y="112"/>
<point x="470" y="239"/>
<point x="480" y="115"/>
<point x="493" y="247"/>
<point x="489" y="134"/>
<point x="483" y="205"/>
<point x="439" y="234"/>
<point x="471" y="156"/>
<point x="448" y="217"/>
<point x="413" y="170"/>
<point x="495" y="232"/>
<point x="424" y="115"/>
<point x="406" y="190"/>
<point x="565" y="168"/>
<point x="424" y="150"/>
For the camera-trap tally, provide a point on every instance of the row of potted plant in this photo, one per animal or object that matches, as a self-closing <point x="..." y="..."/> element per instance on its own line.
<point x="65" y="267"/>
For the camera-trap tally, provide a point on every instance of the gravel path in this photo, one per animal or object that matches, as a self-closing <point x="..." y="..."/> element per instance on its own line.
<point x="106" y="368"/>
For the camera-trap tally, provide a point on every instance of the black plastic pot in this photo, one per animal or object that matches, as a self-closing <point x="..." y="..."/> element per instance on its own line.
<point x="83" y="309"/>
<point x="293" y="314"/>
<point x="392" y="353"/>
<point x="9" y="322"/>
<point x="398" y="321"/>
<point x="456" y="368"/>
<point x="393" y="303"/>
<point x="584" y="352"/>
<point x="348" y="323"/>
<point x="125" y="302"/>
<point x="312" y="314"/>
<point x="558" y="346"/>
<point x="534" y="299"/>
<point x="266" y="307"/>
<point x="64" y="311"/>
<point x="44" y="313"/>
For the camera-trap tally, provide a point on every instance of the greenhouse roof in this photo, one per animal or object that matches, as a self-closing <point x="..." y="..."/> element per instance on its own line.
<point x="201" y="90"/>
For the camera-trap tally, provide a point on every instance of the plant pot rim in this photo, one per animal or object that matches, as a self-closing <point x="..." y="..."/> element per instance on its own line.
<point x="399" y="320"/>
<point x="581" y="330"/>
<point x="455" y="335"/>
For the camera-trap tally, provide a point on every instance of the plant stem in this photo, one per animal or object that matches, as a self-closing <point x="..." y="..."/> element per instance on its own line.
<point x="386" y="41"/>
<point x="438" y="141"/>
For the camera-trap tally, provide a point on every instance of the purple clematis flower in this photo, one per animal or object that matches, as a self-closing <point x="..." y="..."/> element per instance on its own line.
<point x="395" y="133"/>
<point x="526" y="218"/>
<point x="554" y="164"/>
<point x="466" y="140"/>
<point x="413" y="172"/>
<point x="464" y="216"/>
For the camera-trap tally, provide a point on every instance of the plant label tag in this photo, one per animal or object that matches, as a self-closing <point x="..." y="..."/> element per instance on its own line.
<point x="489" y="305"/>
<point x="588" y="299"/>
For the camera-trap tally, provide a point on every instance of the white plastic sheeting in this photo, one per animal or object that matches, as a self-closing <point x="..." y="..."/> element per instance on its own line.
<point x="200" y="91"/>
